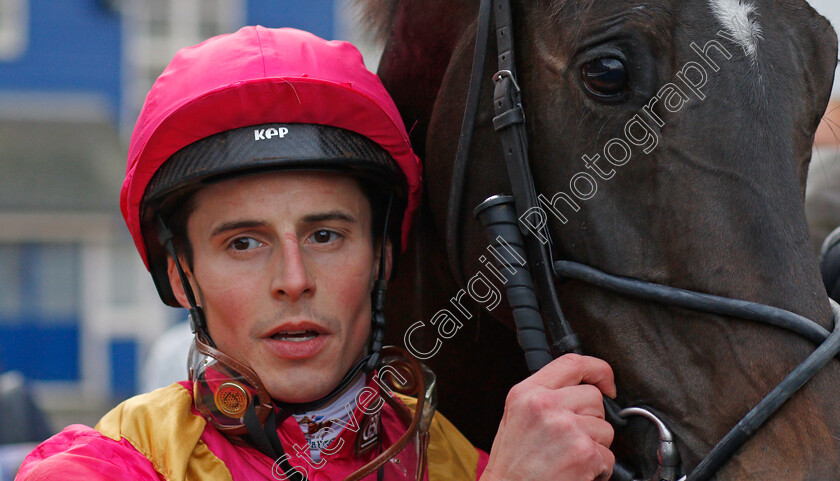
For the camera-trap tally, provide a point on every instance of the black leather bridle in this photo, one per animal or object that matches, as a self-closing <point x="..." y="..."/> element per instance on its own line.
<point x="531" y="288"/>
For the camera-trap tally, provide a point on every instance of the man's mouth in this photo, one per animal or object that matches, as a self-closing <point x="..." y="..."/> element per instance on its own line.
<point x="298" y="339"/>
<point x="295" y="336"/>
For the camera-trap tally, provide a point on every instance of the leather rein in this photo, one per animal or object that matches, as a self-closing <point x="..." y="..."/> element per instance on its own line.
<point x="531" y="285"/>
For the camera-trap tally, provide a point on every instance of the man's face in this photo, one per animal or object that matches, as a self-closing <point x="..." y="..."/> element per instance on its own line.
<point x="283" y="266"/>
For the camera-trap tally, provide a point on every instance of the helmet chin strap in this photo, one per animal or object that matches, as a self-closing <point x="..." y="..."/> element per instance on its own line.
<point x="377" y="301"/>
<point x="197" y="320"/>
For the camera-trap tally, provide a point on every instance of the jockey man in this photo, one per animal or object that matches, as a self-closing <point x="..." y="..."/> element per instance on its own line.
<point x="269" y="182"/>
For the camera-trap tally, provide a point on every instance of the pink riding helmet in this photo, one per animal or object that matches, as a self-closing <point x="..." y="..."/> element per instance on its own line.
<point x="250" y="78"/>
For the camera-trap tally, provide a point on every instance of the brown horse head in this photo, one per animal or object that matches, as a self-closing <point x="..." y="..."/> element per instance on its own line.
<point x="670" y="141"/>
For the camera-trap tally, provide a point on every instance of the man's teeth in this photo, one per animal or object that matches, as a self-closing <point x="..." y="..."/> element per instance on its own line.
<point x="295" y="336"/>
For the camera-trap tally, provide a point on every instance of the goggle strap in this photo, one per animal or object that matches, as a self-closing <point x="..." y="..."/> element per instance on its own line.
<point x="268" y="442"/>
<point x="256" y="433"/>
<point x="270" y="430"/>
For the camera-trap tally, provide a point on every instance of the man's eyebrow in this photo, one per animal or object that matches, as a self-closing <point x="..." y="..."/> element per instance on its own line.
<point x="331" y="215"/>
<point x="339" y="215"/>
<point x="236" y="224"/>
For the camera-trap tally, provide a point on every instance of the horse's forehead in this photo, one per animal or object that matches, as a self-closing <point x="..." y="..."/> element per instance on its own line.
<point x="736" y="20"/>
<point x="740" y="20"/>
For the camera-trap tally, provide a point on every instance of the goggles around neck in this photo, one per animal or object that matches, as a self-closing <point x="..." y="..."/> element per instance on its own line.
<point x="404" y="458"/>
<point x="232" y="398"/>
<point x="224" y="388"/>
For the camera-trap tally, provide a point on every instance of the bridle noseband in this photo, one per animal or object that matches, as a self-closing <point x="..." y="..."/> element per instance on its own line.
<point x="531" y="289"/>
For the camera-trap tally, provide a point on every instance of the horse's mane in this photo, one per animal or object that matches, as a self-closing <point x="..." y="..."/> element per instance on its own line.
<point x="378" y="15"/>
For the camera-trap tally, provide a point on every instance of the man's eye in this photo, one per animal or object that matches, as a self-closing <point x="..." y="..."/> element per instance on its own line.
<point x="244" y="243"/>
<point x="323" y="236"/>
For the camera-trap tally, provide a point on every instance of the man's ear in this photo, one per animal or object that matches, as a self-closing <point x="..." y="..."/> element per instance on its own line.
<point x="389" y="259"/>
<point x="175" y="282"/>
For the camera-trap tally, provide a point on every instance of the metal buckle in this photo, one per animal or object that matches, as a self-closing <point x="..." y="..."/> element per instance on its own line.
<point x="667" y="455"/>
<point x="497" y="77"/>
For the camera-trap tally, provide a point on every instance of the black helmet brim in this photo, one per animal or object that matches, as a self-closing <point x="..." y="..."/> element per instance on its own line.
<point x="253" y="150"/>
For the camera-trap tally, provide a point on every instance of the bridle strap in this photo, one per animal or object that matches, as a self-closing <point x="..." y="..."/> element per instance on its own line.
<point x="509" y="122"/>
<point x="693" y="300"/>
<point x="456" y="187"/>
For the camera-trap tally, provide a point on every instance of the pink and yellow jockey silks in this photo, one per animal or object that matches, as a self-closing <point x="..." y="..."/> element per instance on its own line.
<point x="160" y="436"/>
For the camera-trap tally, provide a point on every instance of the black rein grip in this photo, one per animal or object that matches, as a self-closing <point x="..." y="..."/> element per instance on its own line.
<point x="498" y="216"/>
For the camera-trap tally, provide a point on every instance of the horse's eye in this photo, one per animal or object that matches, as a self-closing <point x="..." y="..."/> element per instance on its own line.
<point x="605" y="78"/>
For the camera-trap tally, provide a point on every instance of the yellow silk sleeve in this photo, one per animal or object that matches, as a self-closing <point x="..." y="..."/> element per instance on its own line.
<point x="161" y="426"/>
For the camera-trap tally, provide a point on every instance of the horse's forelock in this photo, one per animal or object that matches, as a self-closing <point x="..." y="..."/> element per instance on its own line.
<point x="565" y="11"/>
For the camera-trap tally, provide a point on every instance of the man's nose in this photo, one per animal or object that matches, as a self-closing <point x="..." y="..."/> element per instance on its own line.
<point x="292" y="278"/>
